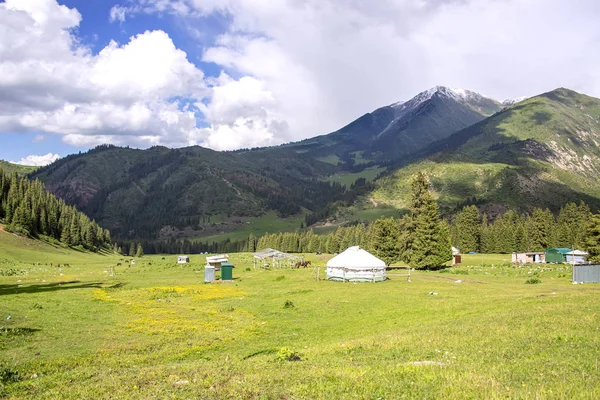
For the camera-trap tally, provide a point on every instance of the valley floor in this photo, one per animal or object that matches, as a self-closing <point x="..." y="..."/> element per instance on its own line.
<point x="155" y="330"/>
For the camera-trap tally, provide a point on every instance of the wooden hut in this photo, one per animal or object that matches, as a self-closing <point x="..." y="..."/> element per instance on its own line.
<point x="532" y="257"/>
<point x="216" y="261"/>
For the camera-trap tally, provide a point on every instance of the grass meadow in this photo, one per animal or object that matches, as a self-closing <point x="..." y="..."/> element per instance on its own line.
<point x="155" y="330"/>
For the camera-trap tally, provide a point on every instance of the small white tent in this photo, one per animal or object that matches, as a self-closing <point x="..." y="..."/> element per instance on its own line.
<point x="183" y="259"/>
<point x="356" y="264"/>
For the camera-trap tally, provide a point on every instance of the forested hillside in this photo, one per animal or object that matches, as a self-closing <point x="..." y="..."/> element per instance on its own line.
<point x="161" y="192"/>
<point x="27" y="208"/>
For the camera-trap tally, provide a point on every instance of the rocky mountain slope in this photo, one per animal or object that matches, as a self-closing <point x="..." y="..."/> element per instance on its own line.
<point x="392" y="132"/>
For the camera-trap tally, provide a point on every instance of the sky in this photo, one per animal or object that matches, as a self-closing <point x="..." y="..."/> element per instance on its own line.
<point x="229" y="74"/>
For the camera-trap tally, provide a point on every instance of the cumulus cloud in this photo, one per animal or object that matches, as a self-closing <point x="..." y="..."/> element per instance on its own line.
<point x="38" y="161"/>
<point x="291" y="69"/>
<point x="325" y="62"/>
<point x="142" y="92"/>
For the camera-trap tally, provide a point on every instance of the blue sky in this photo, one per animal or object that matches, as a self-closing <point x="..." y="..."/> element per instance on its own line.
<point x="228" y="74"/>
<point x="95" y="32"/>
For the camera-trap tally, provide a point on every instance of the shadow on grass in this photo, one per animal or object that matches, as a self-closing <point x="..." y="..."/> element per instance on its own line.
<point x="12" y="332"/>
<point x="52" y="287"/>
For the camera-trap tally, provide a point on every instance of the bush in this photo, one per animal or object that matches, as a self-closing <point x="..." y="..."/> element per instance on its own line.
<point x="285" y="354"/>
<point x="533" y="280"/>
<point x="12" y="272"/>
<point x="8" y="376"/>
<point x="288" y="304"/>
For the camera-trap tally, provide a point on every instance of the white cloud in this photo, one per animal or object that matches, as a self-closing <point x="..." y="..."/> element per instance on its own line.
<point x="292" y="69"/>
<point x="38" y="161"/>
<point x="118" y="13"/>
<point x="142" y="91"/>
<point x="243" y="114"/>
<point x="326" y="62"/>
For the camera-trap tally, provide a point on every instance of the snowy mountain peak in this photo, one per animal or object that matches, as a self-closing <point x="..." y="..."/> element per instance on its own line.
<point x="441" y="91"/>
<point x="510" y="102"/>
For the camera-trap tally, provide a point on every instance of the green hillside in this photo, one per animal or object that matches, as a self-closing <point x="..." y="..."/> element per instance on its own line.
<point x="20" y="169"/>
<point x="541" y="152"/>
<point x="17" y="252"/>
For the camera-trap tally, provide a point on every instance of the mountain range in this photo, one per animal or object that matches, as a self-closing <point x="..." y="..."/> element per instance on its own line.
<point x="539" y="151"/>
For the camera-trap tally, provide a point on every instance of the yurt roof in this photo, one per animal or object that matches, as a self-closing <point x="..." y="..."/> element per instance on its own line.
<point x="357" y="258"/>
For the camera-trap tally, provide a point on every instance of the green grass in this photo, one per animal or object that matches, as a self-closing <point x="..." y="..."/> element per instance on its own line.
<point x="20" y="169"/>
<point x="348" y="179"/>
<point x="330" y="159"/>
<point x="156" y="331"/>
<point x="359" y="159"/>
<point x="269" y="222"/>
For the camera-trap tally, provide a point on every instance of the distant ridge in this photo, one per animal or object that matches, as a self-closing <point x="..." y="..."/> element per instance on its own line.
<point x="20" y="169"/>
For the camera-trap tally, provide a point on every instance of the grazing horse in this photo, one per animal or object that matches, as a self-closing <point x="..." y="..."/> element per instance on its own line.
<point x="303" y="264"/>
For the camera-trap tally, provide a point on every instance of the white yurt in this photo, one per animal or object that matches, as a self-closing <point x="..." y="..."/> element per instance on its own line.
<point x="356" y="265"/>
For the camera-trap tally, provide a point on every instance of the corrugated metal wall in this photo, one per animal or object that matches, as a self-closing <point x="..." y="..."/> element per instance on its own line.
<point x="586" y="273"/>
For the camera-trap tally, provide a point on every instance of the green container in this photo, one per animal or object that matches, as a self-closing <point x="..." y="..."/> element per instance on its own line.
<point x="226" y="271"/>
<point x="557" y="255"/>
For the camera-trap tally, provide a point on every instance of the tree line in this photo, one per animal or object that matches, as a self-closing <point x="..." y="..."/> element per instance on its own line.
<point x="513" y="232"/>
<point x="28" y="209"/>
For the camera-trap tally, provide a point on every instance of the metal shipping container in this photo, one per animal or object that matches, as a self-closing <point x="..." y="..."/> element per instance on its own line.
<point x="586" y="273"/>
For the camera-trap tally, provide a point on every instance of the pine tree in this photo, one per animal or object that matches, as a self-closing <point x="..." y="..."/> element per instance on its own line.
<point x="140" y="252"/>
<point x="75" y="232"/>
<point x="251" y="243"/>
<point x="521" y="238"/>
<point x="466" y="230"/>
<point x="65" y="236"/>
<point x="592" y="242"/>
<point x="427" y="241"/>
<point x="541" y="227"/>
<point x="384" y="240"/>
<point x="486" y="235"/>
<point x="332" y="245"/>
